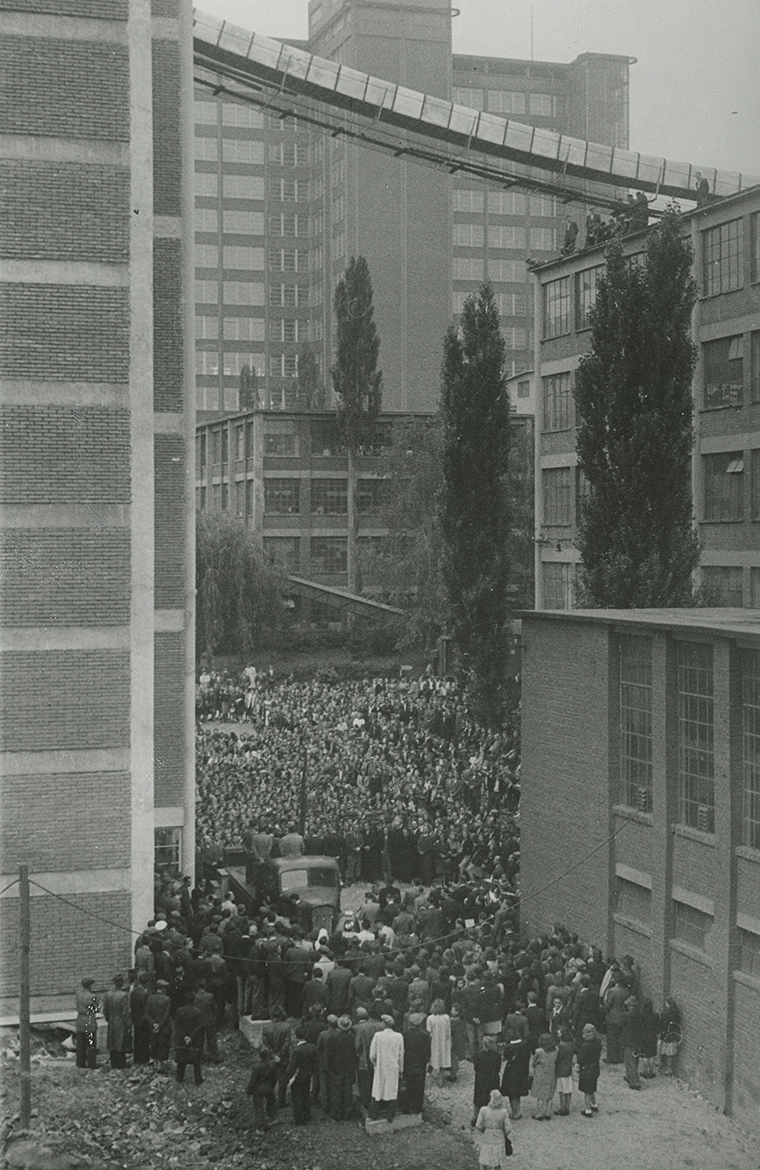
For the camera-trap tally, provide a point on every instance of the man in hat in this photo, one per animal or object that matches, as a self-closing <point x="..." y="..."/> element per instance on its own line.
<point x="116" y="1012"/>
<point x="278" y="1039"/>
<point x="341" y="1069"/>
<point x="386" y="1054"/>
<point x="302" y="1067"/>
<point x="87" y="1027"/>
<point x="368" y="1024"/>
<point x="416" y="1059"/>
<point x="138" y="997"/>
<point x="157" y="1014"/>
<point x="188" y="1039"/>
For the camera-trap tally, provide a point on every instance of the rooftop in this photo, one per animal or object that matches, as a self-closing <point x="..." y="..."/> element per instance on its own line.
<point x="736" y="622"/>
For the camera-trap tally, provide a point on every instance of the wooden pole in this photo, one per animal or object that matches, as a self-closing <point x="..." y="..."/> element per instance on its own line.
<point x="25" y="1111"/>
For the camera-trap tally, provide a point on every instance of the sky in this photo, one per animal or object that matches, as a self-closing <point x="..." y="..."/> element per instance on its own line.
<point x="694" y="91"/>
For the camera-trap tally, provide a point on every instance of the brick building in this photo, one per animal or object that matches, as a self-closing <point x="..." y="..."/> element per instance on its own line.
<point x="641" y="761"/>
<point x="726" y="393"/>
<point x="97" y="477"/>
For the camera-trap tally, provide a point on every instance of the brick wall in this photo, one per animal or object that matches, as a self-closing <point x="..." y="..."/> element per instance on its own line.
<point x="169" y="736"/>
<point x="64" y="700"/>
<point x="692" y="985"/>
<point x="746" y="1095"/>
<point x="64" y="455"/>
<point x="66" y="88"/>
<point x="67" y="944"/>
<point x="65" y="577"/>
<point x="167" y="133"/>
<point x="62" y="211"/>
<point x="169" y="521"/>
<point x="166" y="8"/>
<point x="95" y="9"/>
<point x="64" y="332"/>
<point x="81" y="822"/>
<point x="168" y="357"/>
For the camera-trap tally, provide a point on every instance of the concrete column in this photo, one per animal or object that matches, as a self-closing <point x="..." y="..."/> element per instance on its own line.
<point x="664" y="805"/>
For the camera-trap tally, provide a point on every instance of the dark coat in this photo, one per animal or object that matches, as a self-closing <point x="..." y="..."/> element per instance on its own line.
<point x="303" y="1061"/>
<point x="263" y="1078"/>
<point x="187" y="1033"/>
<point x="515" y="1080"/>
<point x="487" y="1066"/>
<point x="337" y="990"/>
<point x="589" y="1054"/>
<point x="416" y="1049"/>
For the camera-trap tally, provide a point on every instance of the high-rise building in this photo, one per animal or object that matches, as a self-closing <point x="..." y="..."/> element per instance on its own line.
<point x="281" y="206"/>
<point x="97" y="662"/>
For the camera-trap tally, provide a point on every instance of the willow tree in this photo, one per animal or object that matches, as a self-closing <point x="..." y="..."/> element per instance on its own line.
<point x="633" y="397"/>
<point x="357" y="383"/>
<point x="474" y="507"/>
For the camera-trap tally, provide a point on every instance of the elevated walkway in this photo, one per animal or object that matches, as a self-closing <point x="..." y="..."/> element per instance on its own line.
<point x="341" y="600"/>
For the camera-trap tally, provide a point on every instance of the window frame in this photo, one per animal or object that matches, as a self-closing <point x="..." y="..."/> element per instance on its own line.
<point x="722" y="258"/>
<point x="556" y="308"/>
<point x="278" y="491"/>
<point x="696" y="748"/>
<point x="723" y="491"/>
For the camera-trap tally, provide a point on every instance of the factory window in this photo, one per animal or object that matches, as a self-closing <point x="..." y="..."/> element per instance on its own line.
<point x="723" y="363"/>
<point x="206" y="220"/>
<point x="468" y="235"/>
<point x="329" y="497"/>
<point x="754" y="377"/>
<point x="543" y="105"/>
<point x="467" y="268"/>
<point x="372" y="494"/>
<point x="206" y="149"/>
<point x="248" y="223"/>
<point x="206" y="328"/>
<point x="749" y="953"/>
<point x="326" y="440"/>
<point x="167" y="850"/>
<point x="543" y="240"/>
<point x="523" y="389"/>
<point x="696" y="758"/>
<point x="636" y="722"/>
<point x="754" y="500"/>
<point x="558" y="577"/>
<point x="634" y="901"/>
<point x="557" y="307"/>
<point x="585" y="295"/>
<point x="282" y="497"/>
<point x="243" y="292"/>
<point x="507" y="271"/>
<point x="469" y="201"/>
<point x="722" y="256"/>
<point x="242" y="150"/>
<point x="506" y="101"/>
<point x="468" y="95"/>
<point x="249" y="259"/>
<point x="243" y="328"/>
<point x="204" y="111"/>
<point x="242" y="187"/>
<point x="557" y="403"/>
<point x="557" y="501"/>
<point x="329" y="554"/>
<point x="750" y="675"/>
<point x="543" y="206"/>
<point x="283" y="446"/>
<point x="506" y="237"/>
<point x="206" y="184"/>
<point x="724" y="493"/>
<point x="691" y="926"/>
<point x="754" y="257"/>
<point x="242" y="115"/>
<point x="511" y="304"/>
<point x="582" y="492"/>
<point x="282" y="551"/>
<point x="722" y="585"/>
<point x="507" y="203"/>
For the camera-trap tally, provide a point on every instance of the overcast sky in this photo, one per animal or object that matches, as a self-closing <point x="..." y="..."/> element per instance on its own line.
<point x="695" y="90"/>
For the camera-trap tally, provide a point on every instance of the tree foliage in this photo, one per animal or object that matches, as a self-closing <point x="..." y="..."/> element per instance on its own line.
<point x="238" y="596"/>
<point x="633" y="396"/>
<point x="474" y="511"/>
<point x="356" y="379"/>
<point x="249" y="391"/>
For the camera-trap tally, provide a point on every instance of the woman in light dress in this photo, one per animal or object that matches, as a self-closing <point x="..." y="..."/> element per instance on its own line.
<point x="439" y="1027"/>
<point x="494" y="1126"/>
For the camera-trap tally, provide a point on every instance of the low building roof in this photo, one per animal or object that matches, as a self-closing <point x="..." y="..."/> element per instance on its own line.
<point x="732" y="621"/>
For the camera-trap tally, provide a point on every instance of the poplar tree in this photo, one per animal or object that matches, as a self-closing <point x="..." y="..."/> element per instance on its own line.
<point x="357" y="382"/>
<point x="474" y="505"/>
<point x="237" y="594"/>
<point x="633" y="398"/>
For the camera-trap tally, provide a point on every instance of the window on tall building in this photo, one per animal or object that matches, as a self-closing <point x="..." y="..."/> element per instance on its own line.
<point x="557" y="497"/>
<point x="225" y="496"/>
<point x="242" y="115"/>
<point x="754" y="495"/>
<point x="206" y="219"/>
<point x="288" y="330"/>
<point x="281" y="446"/>
<point x="282" y="497"/>
<point x="523" y="389"/>
<point x="722" y="585"/>
<point x="468" y="201"/>
<point x="636" y="722"/>
<point x="754" y="238"/>
<point x="754" y="376"/>
<point x="243" y="292"/>
<point x="634" y="901"/>
<point x="511" y="304"/>
<point x="543" y="105"/>
<point x="507" y="271"/>
<point x="557" y="307"/>
<point x="515" y="337"/>
<point x="248" y="223"/>
<point x="325" y="438"/>
<point x="206" y="148"/>
<point x="723" y="365"/>
<point x="329" y="497"/>
<point x="243" y="329"/>
<point x="468" y="235"/>
<point x="206" y="256"/>
<point x="283" y="551"/>
<point x="467" y="268"/>
<point x="167" y="851"/>
<point x="201" y="450"/>
<point x="585" y="295"/>
<point x="242" y="187"/>
<point x="329" y="554"/>
<point x="696" y="757"/>
<point x="506" y="101"/>
<point x="558" y="579"/>
<point x="372" y="494"/>
<point x="543" y="240"/>
<point x="204" y="111"/>
<point x="244" y="258"/>
<point x="206" y="292"/>
<point x="750" y="676"/>
<point x="691" y="926"/>
<point x="242" y="150"/>
<point x="749" y="952"/>
<point x="207" y="361"/>
<point x="507" y="203"/>
<point x="206" y="328"/>
<point x="506" y="237"/>
<point x="468" y="95"/>
<point x="722" y="254"/>
<point x="557" y="402"/>
<point x="723" y="485"/>
<point x="206" y="183"/>
<point x="543" y="206"/>
<point x="582" y="493"/>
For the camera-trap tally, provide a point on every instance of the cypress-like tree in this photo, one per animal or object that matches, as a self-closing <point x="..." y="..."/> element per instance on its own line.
<point x="249" y="393"/>
<point x="356" y="380"/>
<point x="474" y="509"/>
<point x="633" y="397"/>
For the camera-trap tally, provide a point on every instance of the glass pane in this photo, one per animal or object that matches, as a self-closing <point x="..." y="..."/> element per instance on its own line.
<point x="519" y="137"/>
<point x="436" y="111"/>
<point x="463" y="120"/>
<point x="492" y="128"/>
<point x="296" y="60"/>
<point x="352" y="82"/>
<point x="323" y="72"/>
<point x="408" y="101"/>
<point x="625" y="163"/>
<point x="546" y="143"/>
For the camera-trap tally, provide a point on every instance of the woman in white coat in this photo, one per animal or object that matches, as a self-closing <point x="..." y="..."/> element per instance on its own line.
<point x="386" y="1054"/>
<point x="439" y="1027"/>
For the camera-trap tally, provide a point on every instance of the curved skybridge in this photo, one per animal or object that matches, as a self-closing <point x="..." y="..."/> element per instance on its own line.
<point x="246" y="58"/>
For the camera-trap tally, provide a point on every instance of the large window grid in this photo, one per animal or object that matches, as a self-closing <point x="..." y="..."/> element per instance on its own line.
<point x="750" y="676"/>
<point x="243" y="150"/>
<point x="329" y="554"/>
<point x="507" y="203"/>
<point x="506" y="236"/>
<point x="468" y="95"/>
<point x="636" y="722"/>
<point x="754" y="366"/>
<point x="242" y="187"/>
<point x="723" y="486"/>
<point x="691" y="926"/>
<point x="557" y="496"/>
<point x="326" y="440"/>
<point x="557" y="307"/>
<point x="585" y="295"/>
<point x="468" y="235"/>
<point x="558" y="581"/>
<point x="329" y="497"/>
<point x="282" y="496"/>
<point x="723" y="365"/>
<point x="372" y="494"/>
<point x="722" y="253"/>
<point x="696" y="758"/>
<point x="505" y="101"/>
<point x="469" y="201"/>
<point x="557" y="403"/>
<point x="467" y="268"/>
<point x="282" y="551"/>
<point x="167" y="852"/>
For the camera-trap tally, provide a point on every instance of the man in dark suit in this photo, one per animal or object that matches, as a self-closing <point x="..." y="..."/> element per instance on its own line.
<point x="416" y="1057"/>
<point x="302" y="1067"/>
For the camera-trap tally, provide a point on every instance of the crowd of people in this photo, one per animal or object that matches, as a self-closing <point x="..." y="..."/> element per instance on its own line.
<point x="398" y="779"/>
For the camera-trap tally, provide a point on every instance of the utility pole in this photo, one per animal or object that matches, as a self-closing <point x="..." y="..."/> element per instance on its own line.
<point x="25" y="1110"/>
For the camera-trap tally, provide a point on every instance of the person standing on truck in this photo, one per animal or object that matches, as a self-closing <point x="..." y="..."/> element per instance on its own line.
<point x="291" y="845"/>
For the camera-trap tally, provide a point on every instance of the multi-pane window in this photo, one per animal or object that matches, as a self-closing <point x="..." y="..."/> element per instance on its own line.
<point x="467" y="268"/>
<point x="206" y="183"/>
<point x="329" y="497"/>
<point x="242" y="150"/>
<point x="754" y="376"/>
<point x="543" y="205"/>
<point x="204" y="111"/>
<point x="469" y="201"/>
<point x="166" y="850"/>
<point x="372" y="494"/>
<point x="206" y="328"/>
<point x="754" y="243"/>
<point x="634" y="901"/>
<point x="691" y="926"/>
<point x="206" y="219"/>
<point x="243" y="116"/>
<point x="724" y="473"/>
<point x="557" y="307"/>
<point x="543" y="104"/>
<point x="512" y="271"/>
<point x="507" y="203"/>
<point x="506" y="101"/>
<point x="557" y="403"/>
<point x="288" y="296"/>
<point x="288" y="260"/>
<point x="225" y="496"/>
<point x="282" y="496"/>
<point x="722" y="585"/>
<point x="511" y="304"/>
<point x="523" y="389"/>
<point x="557" y="495"/>
<point x="723" y="364"/>
<point x="206" y="256"/>
<point x="283" y="365"/>
<point x="249" y="259"/>
<point x="206" y="292"/>
<point x="289" y="329"/>
<point x="282" y="551"/>
<point x="288" y="190"/>
<point x="242" y="187"/>
<point x="582" y="492"/>
<point x="750" y="676"/>
<point x="284" y="446"/>
<point x="468" y="235"/>
<point x="636" y="722"/>
<point x="506" y="237"/>
<point x="329" y="554"/>
<point x="543" y="239"/>
<point x="206" y="361"/>
<point x="243" y="328"/>
<point x="558" y="578"/>
<point x="515" y="338"/>
<point x="234" y="363"/>
<point x="749" y="953"/>
<point x="696" y="757"/>
<point x="240" y="444"/>
<point x="585" y="295"/>
<point x="325" y="439"/>
<point x="206" y="149"/>
<point x="248" y="223"/>
<point x="243" y="292"/>
<point x="722" y="253"/>
<point x="468" y="95"/>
